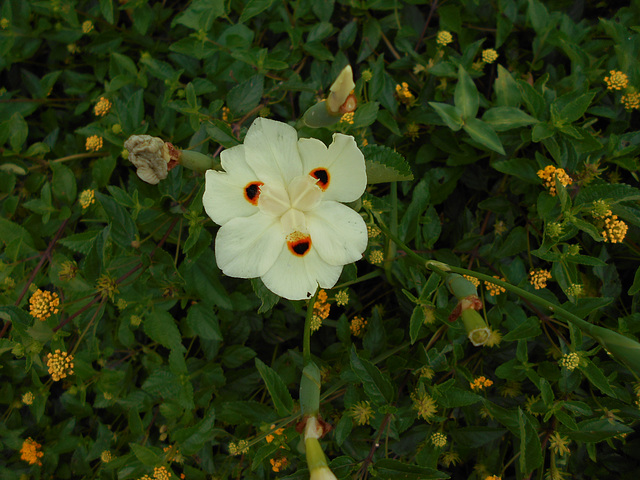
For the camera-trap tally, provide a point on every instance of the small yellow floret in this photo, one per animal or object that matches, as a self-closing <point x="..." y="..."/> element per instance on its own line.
<point x="438" y="439"/>
<point x="538" y="278"/>
<point x="87" y="198"/>
<point x="106" y="456"/>
<point x="425" y="405"/>
<point x="43" y="304"/>
<point x="474" y="280"/>
<point x="102" y="107"/>
<point x="4" y="23"/>
<point x="342" y="298"/>
<point x="278" y="464"/>
<point x="403" y="93"/>
<point x="107" y="287"/>
<point x="444" y="38"/>
<point x="570" y="361"/>
<point x="347" y="118"/>
<point x="30" y="452"/>
<point x="493" y="289"/>
<point x="376" y="257"/>
<point x="480" y="383"/>
<point x="549" y="175"/>
<point x="161" y="473"/>
<point x="87" y="26"/>
<point x="489" y="55"/>
<point x="27" y="398"/>
<point x="614" y="230"/>
<point x="631" y="101"/>
<point x="357" y="325"/>
<point x="373" y="231"/>
<point x="616" y="80"/>
<point x="94" y="143"/>
<point x="559" y="444"/>
<point x="60" y="365"/>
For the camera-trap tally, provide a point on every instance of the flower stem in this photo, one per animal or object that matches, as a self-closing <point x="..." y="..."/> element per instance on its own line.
<point x="306" y="339"/>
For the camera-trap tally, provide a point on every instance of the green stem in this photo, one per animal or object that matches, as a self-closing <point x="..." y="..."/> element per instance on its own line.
<point x="306" y="339"/>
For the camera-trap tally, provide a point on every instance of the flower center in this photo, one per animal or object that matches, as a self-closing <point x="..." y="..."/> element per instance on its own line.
<point x="304" y="193"/>
<point x="299" y="243"/>
<point x="322" y="174"/>
<point x="252" y="192"/>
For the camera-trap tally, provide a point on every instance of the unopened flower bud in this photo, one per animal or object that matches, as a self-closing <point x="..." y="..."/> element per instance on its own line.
<point x="340" y="90"/>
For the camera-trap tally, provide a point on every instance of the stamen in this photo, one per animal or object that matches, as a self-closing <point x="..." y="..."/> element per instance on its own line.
<point x="322" y="174"/>
<point x="252" y="192"/>
<point x="299" y="243"/>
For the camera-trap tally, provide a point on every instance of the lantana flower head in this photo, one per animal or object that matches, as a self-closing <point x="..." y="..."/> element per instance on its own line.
<point x="278" y="205"/>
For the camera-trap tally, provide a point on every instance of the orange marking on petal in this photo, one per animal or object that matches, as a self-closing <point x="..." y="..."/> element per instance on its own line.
<point x="252" y="192"/>
<point x="299" y="244"/>
<point x="323" y="177"/>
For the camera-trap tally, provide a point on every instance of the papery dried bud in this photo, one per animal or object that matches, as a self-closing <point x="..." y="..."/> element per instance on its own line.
<point x="340" y="90"/>
<point x="150" y="155"/>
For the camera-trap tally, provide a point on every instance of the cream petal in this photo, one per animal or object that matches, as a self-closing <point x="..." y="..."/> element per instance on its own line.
<point x="337" y="233"/>
<point x="224" y="198"/>
<point x="297" y="278"/>
<point x="247" y="247"/>
<point x="271" y="149"/>
<point x="343" y="160"/>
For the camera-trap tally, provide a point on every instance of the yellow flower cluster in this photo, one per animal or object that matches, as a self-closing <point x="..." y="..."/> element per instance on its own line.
<point x="30" y="452"/>
<point x="570" y="361"/>
<point x="87" y="198"/>
<point x="373" y="231"/>
<point x="474" y="280"/>
<point x="347" y="118"/>
<point x="106" y="456"/>
<point x="278" y="464"/>
<point x="106" y="286"/>
<point x="225" y="114"/>
<point x="72" y="48"/>
<point x="361" y="412"/>
<point x="614" y="230"/>
<point x="60" y="365"/>
<point x="600" y="209"/>
<point x="495" y="337"/>
<point x="549" y="175"/>
<point x="489" y="55"/>
<point x="424" y="404"/>
<point x="4" y="23"/>
<point x="321" y="308"/>
<point x="574" y="290"/>
<point x="376" y="257"/>
<point x="161" y="473"/>
<point x="480" y="383"/>
<point x="616" y="80"/>
<point x="538" y="278"/>
<point x="558" y="444"/>
<point x="27" y="398"/>
<point x="277" y="431"/>
<point x="631" y="101"/>
<point x="499" y="227"/>
<point x="94" y="143"/>
<point x="492" y="477"/>
<point x="342" y="298"/>
<point x="102" y="107"/>
<point x="413" y="131"/>
<point x="357" y="325"/>
<point x="493" y="289"/>
<point x="438" y="439"/>
<point x="511" y="389"/>
<point x="426" y="372"/>
<point x="87" y="26"/>
<point x="238" y="448"/>
<point x="43" y="304"/>
<point x="450" y="458"/>
<point x="403" y="93"/>
<point x="444" y="38"/>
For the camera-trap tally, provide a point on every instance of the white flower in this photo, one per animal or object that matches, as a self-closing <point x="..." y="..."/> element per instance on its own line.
<point x="278" y="206"/>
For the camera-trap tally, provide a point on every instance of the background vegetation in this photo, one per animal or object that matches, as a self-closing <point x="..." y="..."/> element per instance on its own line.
<point x="172" y="360"/>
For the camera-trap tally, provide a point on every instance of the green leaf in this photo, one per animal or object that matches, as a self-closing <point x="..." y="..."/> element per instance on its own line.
<point x="278" y="390"/>
<point x="161" y="327"/>
<point x="365" y="114"/>
<point x="476" y="437"/>
<point x="528" y="329"/>
<point x="576" y="108"/>
<point x="236" y="355"/>
<point x="106" y="8"/>
<point x="264" y="452"/>
<point x="220" y="132"/>
<point x="191" y="439"/>
<point x="452" y="397"/>
<point x="253" y="8"/>
<point x="123" y="229"/>
<point x="246" y="96"/>
<point x="389" y="468"/>
<point x="542" y="131"/>
<point x="149" y="457"/>
<point x="202" y="320"/>
<point x="483" y="134"/>
<point x="502" y="119"/>
<point x="466" y="96"/>
<point x="63" y="184"/>
<point x="343" y="429"/>
<point x="266" y="296"/>
<point x="201" y="14"/>
<point x="538" y="16"/>
<point x="596" y="377"/>
<point x="377" y="386"/>
<point x="635" y="287"/>
<point x="515" y="243"/>
<point x="506" y="89"/>
<point x="597" y="430"/>
<point x="586" y="227"/>
<point x="530" y="447"/>
<point x="18" y="130"/>
<point x="416" y="321"/>
<point x="450" y="115"/>
<point x="385" y="165"/>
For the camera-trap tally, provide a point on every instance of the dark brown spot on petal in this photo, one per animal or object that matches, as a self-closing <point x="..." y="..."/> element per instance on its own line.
<point x="252" y="192"/>
<point x="299" y="244"/>
<point x="323" y="177"/>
